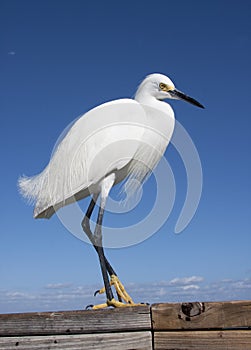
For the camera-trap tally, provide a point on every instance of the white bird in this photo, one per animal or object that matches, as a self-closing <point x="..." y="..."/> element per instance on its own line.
<point x="117" y="140"/>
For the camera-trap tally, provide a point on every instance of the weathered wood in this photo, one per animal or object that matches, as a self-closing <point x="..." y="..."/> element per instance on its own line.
<point x="213" y="315"/>
<point x="214" y="326"/>
<point x="200" y="340"/>
<point x="109" y="341"/>
<point x="76" y="322"/>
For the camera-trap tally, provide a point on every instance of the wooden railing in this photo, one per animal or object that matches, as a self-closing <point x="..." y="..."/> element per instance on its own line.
<point x="210" y="326"/>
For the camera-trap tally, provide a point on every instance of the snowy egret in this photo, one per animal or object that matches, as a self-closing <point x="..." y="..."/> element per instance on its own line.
<point x="95" y="154"/>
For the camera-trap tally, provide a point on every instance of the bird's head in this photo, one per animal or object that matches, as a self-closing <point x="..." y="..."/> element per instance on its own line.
<point x="161" y="87"/>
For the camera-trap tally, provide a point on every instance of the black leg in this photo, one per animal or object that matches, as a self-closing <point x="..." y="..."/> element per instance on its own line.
<point x="87" y="230"/>
<point x="100" y="251"/>
<point x="96" y="239"/>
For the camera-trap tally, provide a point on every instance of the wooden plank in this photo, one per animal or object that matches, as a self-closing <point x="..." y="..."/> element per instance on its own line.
<point x="76" y="322"/>
<point x="109" y="341"/>
<point x="223" y="315"/>
<point x="200" y="340"/>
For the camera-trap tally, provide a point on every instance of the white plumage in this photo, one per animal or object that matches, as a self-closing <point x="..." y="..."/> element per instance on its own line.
<point x="125" y="137"/>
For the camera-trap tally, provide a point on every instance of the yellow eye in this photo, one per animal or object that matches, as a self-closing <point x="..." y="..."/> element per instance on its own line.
<point x="163" y="86"/>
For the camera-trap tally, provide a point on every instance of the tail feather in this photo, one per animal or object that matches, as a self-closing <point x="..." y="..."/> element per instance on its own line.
<point x="30" y="187"/>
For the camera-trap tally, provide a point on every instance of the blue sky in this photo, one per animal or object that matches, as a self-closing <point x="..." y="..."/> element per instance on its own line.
<point x="58" y="59"/>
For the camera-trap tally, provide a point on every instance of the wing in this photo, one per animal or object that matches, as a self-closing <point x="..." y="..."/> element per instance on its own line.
<point x="158" y="129"/>
<point x="101" y="141"/>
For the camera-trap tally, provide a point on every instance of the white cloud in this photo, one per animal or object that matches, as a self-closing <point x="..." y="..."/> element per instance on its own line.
<point x="58" y="285"/>
<point x="244" y="284"/>
<point x="190" y="286"/>
<point x="185" y="280"/>
<point x="66" y="296"/>
<point x="16" y="295"/>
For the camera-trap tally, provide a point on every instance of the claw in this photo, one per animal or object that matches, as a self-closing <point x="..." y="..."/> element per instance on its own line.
<point x="100" y="291"/>
<point x="97" y="292"/>
<point x="88" y="307"/>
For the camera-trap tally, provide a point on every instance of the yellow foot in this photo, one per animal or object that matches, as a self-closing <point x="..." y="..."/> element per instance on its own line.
<point x="115" y="303"/>
<point x="120" y="290"/>
<point x="122" y="295"/>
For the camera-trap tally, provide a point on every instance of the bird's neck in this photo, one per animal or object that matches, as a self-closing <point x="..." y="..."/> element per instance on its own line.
<point x="149" y="100"/>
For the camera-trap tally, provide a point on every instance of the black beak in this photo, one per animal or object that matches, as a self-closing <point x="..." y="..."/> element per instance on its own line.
<point x="180" y="96"/>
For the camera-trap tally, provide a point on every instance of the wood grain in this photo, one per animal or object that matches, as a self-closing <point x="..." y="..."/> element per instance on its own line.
<point x="113" y="341"/>
<point x="200" y="340"/>
<point x="76" y="322"/>
<point x="222" y="315"/>
<point x="211" y="326"/>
